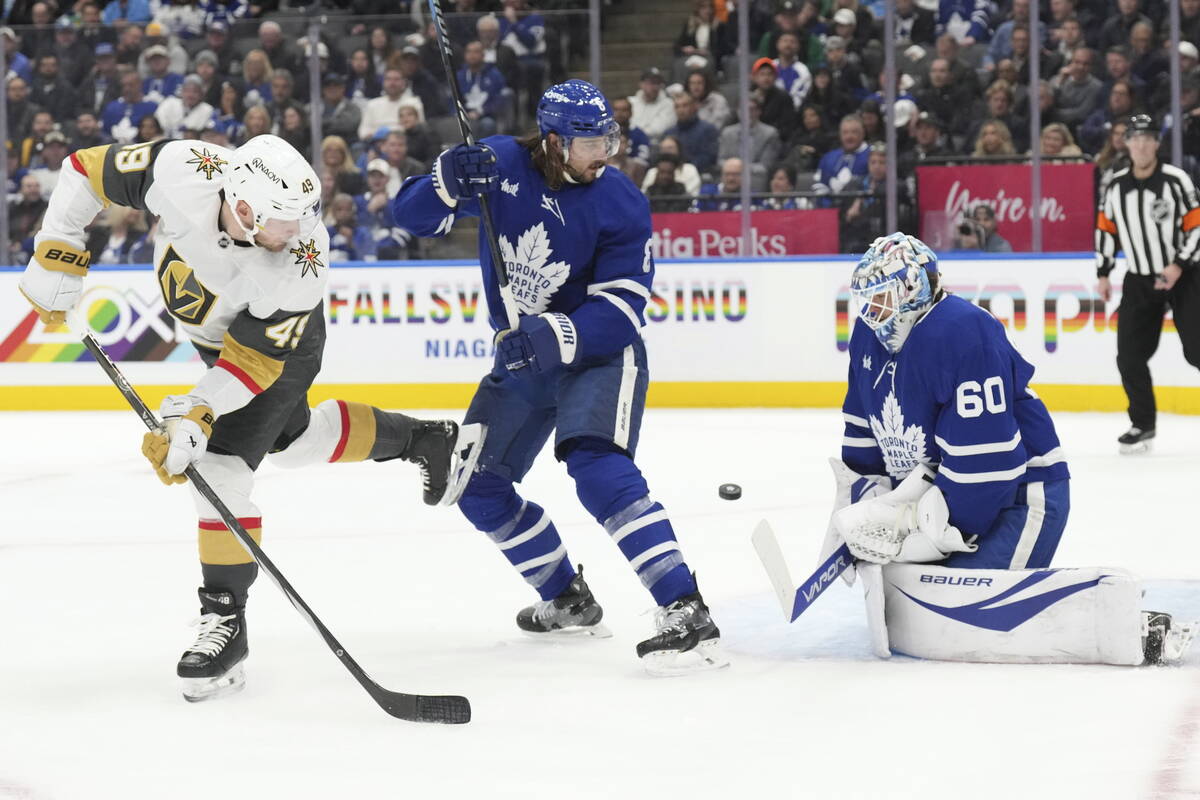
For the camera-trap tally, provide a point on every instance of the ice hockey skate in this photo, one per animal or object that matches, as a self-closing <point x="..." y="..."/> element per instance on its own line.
<point x="1165" y="640"/>
<point x="1135" y="441"/>
<point x="446" y="454"/>
<point x="573" y="614"/>
<point x="687" y="640"/>
<point x="212" y="666"/>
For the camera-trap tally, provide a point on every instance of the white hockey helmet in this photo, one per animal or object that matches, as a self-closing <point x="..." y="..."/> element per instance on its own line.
<point x="281" y="188"/>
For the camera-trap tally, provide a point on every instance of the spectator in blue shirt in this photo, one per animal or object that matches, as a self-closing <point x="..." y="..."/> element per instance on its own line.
<point x="525" y="33"/>
<point x="121" y="117"/>
<point x="18" y="62"/>
<point x="730" y="188"/>
<point x="639" y="142"/>
<point x="483" y="90"/>
<point x="348" y="241"/>
<point x="161" y="83"/>
<point x="375" y="214"/>
<point x="839" y="167"/>
<point x="128" y="10"/>
<point x="700" y="139"/>
<point x="966" y="20"/>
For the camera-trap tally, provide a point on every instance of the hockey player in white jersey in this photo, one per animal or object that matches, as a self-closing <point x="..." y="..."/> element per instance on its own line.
<point x="240" y="257"/>
<point x="953" y="489"/>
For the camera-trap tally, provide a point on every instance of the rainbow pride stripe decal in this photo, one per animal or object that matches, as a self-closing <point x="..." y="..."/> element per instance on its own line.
<point x="128" y="328"/>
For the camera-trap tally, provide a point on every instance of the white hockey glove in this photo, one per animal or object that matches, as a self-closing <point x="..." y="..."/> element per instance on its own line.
<point x="910" y="523"/>
<point x="53" y="280"/>
<point x="187" y="424"/>
<point x="851" y="488"/>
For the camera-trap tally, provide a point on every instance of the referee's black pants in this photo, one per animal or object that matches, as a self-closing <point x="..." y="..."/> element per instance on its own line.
<point x="1139" y="326"/>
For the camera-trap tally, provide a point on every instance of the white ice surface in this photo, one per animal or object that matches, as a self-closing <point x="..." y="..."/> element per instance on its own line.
<point x="98" y="574"/>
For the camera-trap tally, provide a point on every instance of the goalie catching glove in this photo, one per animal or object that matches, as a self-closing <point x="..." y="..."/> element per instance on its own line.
<point x="187" y="424"/>
<point x="911" y="523"/>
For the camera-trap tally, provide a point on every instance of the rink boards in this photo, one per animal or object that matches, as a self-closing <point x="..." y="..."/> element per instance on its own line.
<point x="758" y="332"/>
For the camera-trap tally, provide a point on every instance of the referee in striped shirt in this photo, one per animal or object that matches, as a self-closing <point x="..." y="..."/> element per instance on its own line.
<point x="1151" y="211"/>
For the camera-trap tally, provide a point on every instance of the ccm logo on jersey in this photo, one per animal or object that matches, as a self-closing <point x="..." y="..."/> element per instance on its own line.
<point x="956" y="580"/>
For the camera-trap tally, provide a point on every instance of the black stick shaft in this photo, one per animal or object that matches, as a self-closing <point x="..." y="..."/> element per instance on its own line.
<point x="417" y="708"/>
<point x="464" y="125"/>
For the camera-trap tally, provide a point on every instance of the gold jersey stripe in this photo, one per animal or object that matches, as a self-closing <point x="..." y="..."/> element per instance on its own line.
<point x="360" y="434"/>
<point x="259" y="367"/>
<point x="91" y="159"/>
<point x="219" y="546"/>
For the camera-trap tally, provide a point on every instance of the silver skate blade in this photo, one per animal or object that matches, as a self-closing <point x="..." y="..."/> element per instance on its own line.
<point x="1137" y="448"/>
<point x="704" y="657"/>
<point x="197" y="690"/>
<point x="467" y="448"/>
<point x="572" y="633"/>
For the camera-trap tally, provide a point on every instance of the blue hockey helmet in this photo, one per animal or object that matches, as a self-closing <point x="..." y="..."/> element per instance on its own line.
<point x="891" y="287"/>
<point x="578" y="110"/>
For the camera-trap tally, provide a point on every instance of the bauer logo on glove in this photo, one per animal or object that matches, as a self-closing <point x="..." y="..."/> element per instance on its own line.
<point x="183" y="438"/>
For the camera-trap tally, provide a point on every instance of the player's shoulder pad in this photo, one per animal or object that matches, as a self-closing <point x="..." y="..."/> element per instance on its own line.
<point x="955" y="326"/>
<point x="1172" y="171"/>
<point x="623" y="203"/>
<point x="307" y="265"/>
<point x="192" y="162"/>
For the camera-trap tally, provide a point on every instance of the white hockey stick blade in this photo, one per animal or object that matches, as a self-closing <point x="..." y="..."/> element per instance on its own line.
<point x="767" y="547"/>
<point x="467" y="448"/>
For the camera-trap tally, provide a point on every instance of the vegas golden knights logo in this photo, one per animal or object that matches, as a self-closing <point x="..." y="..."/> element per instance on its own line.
<point x="186" y="297"/>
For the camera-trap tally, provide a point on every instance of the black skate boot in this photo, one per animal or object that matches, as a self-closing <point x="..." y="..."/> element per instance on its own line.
<point x="1136" y="440"/>
<point x="1165" y="640"/>
<point x="575" y="612"/>
<point x="446" y="455"/>
<point x="687" y="640"/>
<point x="212" y="666"/>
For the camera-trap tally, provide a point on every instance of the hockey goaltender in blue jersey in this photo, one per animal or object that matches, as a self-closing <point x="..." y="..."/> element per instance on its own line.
<point x="576" y="251"/>
<point x="956" y="397"/>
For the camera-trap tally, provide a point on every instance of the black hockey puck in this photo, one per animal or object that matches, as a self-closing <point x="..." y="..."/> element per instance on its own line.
<point x="729" y="491"/>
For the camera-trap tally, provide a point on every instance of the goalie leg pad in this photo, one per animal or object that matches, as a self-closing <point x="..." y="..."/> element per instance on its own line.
<point x="1050" y="616"/>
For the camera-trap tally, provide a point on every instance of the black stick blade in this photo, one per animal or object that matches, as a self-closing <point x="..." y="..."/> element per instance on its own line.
<point x="447" y="709"/>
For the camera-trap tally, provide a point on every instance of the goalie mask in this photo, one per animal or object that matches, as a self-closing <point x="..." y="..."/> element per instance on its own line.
<point x="281" y="188"/>
<point x="891" y="289"/>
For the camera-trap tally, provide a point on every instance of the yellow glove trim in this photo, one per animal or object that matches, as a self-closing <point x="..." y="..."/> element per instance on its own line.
<point x="154" y="447"/>
<point x="45" y="315"/>
<point x="62" y="257"/>
<point x="202" y="416"/>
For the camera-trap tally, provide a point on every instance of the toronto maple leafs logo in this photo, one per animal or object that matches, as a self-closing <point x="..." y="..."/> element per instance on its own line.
<point x="903" y="448"/>
<point x="532" y="276"/>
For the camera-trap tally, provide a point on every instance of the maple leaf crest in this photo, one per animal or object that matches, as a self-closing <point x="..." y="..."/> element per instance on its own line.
<point x="903" y="448"/>
<point x="532" y="279"/>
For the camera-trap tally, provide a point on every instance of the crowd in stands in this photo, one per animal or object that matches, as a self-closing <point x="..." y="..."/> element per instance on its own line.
<point x="86" y="72"/>
<point x="82" y="73"/>
<point x="963" y="90"/>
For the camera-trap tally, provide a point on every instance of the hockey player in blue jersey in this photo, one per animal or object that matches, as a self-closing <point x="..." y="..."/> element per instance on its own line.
<point x="949" y="457"/>
<point x="575" y="238"/>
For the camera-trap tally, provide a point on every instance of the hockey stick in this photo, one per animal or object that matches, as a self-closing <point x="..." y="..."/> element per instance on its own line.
<point x="412" y="707"/>
<point x="464" y="126"/>
<point x="792" y="599"/>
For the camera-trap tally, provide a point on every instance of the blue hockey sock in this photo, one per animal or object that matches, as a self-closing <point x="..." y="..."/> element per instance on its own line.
<point x="522" y="530"/>
<point x="612" y="489"/>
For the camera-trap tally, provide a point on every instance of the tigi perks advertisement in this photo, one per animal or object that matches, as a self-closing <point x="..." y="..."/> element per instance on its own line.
<point x="1068" y="206"/>
<point x="718" y="234"/>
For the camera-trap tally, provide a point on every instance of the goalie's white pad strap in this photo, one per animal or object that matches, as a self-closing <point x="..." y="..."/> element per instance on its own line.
<point x="1068" y="616"/>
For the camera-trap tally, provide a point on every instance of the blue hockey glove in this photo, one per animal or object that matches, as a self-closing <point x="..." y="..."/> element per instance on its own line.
<point x="465" y="171"/>
<point x="538" y="344"/>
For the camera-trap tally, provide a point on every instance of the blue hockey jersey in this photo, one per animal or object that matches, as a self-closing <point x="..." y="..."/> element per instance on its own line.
<point x="583" y="250"/>
<point x="956" y="397"/>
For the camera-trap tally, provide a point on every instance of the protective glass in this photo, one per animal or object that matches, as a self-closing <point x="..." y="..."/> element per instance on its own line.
<point x="878" y="303"/>
<point x="597" y="148"/>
